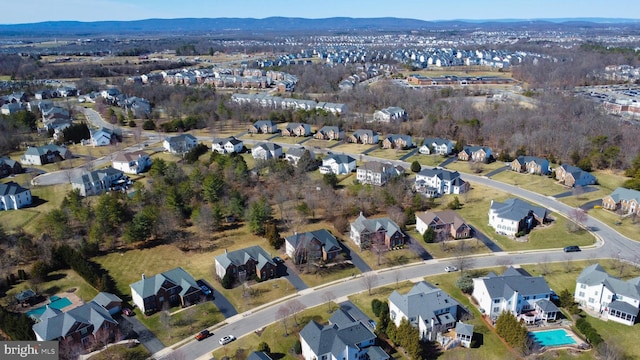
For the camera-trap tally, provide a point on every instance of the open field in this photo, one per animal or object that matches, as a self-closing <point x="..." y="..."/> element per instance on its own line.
<point x="540" y="184"/>
<point x="466" y="167"/>
<point x="254" y="295"/>
<point x="320" y="143"/>
<point x="250" y="136"/>
<point x="351" y="148"/>
<point x="427" y="160"/>
<point x="289" y="139"/>
<point x="390" y="154"/>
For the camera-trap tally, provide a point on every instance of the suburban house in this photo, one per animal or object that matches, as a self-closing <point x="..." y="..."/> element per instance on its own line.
<point x="377" y="173"/>
<point x="101" y="137"/>
<point x="112" y="303"/>
<point x="390" y="114"/>
<point x="574" y="176"/>
<point x="175" y="287"/>
<point x="318" y="245"/>
<point x="427" y="308"/>
<point x="180" y="144"/>
<point x="600" y="292"/>
<point x="363" y="136"/>
<point x="259" y="355"/>
<point x="9" y="167"/>
<point x="263" y="127"/>
<point x="343" y="338"/>
<point x="294" y="154"/>
<point x="227" y="145"/>
<point x="531" y="165"/>
<point x="246" y="264"/>
<point x="134" y="162"/>
<point x="371" y="232"/>
<point x="96" y="182"/>
<point x="515" y="291"/>
<point x="85" y="325"/>
<point x="41" y="155"/>
<point x="297" y="129"/>
<point x="397" y="141"/>
<point x="621" y="199"/>
<point x="329" y="133"/>
<point x="464" y="334"/>
<point x="14" y="196"/>
<point x="266" y="151"/>
<point x="436" y="146"/>
<point x="437" y="182"/>
<point x="515" y="216"/>
<point x="475" y="153"/>
<point x="338" y="164"/>
<point x="446" y="224"/>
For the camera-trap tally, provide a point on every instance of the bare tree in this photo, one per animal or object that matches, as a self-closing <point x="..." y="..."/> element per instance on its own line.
<point x="295" y="306"/>
<point x="463" y="262"/>
<point x="369" y="280"/>
<point x="611" y="350"/>
<point x="544" y="266"/>
<point x="282" y="314"/>
<point x="328" y="297"/>
<point x="578" y="217"/>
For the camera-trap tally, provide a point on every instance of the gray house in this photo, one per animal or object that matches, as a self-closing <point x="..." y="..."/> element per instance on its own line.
<point x="173" y="287"/>
<point x="96" y="182"/>
<point x="514" y="215"/>
<point x="246" y="264"/>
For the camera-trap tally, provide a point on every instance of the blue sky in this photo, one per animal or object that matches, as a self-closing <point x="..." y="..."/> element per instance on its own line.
<point x="29" y="11"/>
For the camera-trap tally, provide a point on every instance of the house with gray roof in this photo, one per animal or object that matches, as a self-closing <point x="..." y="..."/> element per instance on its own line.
<point x="259" y="355"/>
<point x="109" y="301"/>
<point x="397" y="141"/>
<point x="13" y="196"/>
<point x="246" y="264"/>
<point x="175" y="287"/>
<point x="296" y="129"/>
<point x="377" y="173"/>
<point x="263" y="127"/>
<point x="515" y="291"/>
<point x="573" y="176"/>
<point x="294" y="154"/>
<point x="515" y="216"/>
<point x="318" y="245"/>
<point x="266" y="151"/>
<point x="227" y="145"/>
<point x="376" y="232"/>
<point x="475" y="153"/>
<point x="329" y="133"/>
<point x="41" y="155"/>
<point x="436" y="146"/>
<point x="134" y="162"/>
<point x="363" y="136"/>
<point x="531" y="165"/>
<point x="83" y="326"/>
<point x="343" y="338"/>
<point x="96" y="182"/>
<point x="427" y="308"/>
<point x="180" y="144"/>
<point x="102" y="137"/>
<point x="9" y="167"/>
<point x="464" y="334"/>
<point x="339" y="164"/>
<point x="437" y="182"/>
<point x="624" y="200"/>
<point x="390" y="114"/>
<point x="610" y="296"/>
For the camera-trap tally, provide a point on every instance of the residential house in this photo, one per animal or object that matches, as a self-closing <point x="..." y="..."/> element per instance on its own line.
<point x="377" y="173"/>
<point x="102" y="137"/>
<point x="436" y="146"/>
<point x="427" y="308"/>
<point x="397" y="141"/>
<point x="574" y="176"/>
<point x="464" y="334"/>
<point x="531" y="165"/>
<point x="294" y="154"/>
<point x="515" y="291"/>
<point x="344" y="338"/>
<point x="180" y="144"/>
<point x="9" y="167"/>
<point x="112" y="303"/>
<point x="246" y="264"/>
<point x="84" y="326"/>
<point x="446" y="224"/>
<point x="175" y="287"/>
<point x="259" y="355"/>
<point x="318" y="245"/>
<point x="437" y="182"/>
<point x="40" y="155"/>
<point x="263" y="127"/>
<point x="607" y="295"/>
<point x="363" y="136"/>
<point x="134" y="162"/>
<point x="329" y="133"/>
<point x="227" y="145"/>
<point x="338" y="164"/>
<point x="96" y="182"/>
<point x="266" y="151"/>
<point x="14" y="196"/>
<point x="475" y="153"/>
<point x="390" y="114"/>
<point x="11" y="108"/>
<point x="297" y="129"/>
<point x="624" y="200"/>
<point x="514" y="216"/>
<point x="376" y="232"/>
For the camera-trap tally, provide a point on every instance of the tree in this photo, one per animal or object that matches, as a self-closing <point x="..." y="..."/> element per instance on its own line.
<point x="264" y="347"/>
<point x="282" y="314"/>
<point x="369" y="280"/>
<point x="273" y="236"/>
<point x="514" y="333"/>
<point x="465" y="283"/>
<point x="454" y="204"/>
<point x="578" y="217"/>
<point x="227" y="280"/>
<point x="295" y="306"/>
<point x="328" y="297"/>
<point x="429" y="235"/>
<point x="415" y="166"/>
<point x="140" y="228"/>
<point x="331" y="180"/>
<point x="259" y="213"/>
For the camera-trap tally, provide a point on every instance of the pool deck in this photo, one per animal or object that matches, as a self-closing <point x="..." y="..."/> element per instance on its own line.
<point x="579" y="343"/>
<point x="75" y="302"/>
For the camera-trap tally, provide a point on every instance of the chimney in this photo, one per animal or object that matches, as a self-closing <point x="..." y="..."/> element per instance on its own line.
<point x="143" y="277"/>
<point x="225" y="251"/>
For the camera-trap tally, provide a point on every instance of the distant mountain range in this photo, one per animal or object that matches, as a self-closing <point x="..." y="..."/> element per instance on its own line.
<point x="286" y="24"/>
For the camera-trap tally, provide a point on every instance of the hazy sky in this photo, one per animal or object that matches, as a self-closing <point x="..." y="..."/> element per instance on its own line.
<point x="29" y="11"/>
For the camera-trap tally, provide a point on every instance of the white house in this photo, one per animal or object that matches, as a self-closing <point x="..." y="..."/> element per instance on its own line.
<point x="180" y="144"/>
<point x="437" y="182"/>
<point x="515" y="291"/>
<point x="266" y="151"/>
<point x="390" y="114"/>
<point x="514" y="216"/>
<point x="132" y="162"/>
<point x="436" y="146"/>
<point x="377" y="173"/>
<point x="338" y="164"/>
<point x="101" y="137"/>
<point x="294" y="154"/>
<point x="227" y="145"/>
<point x="96" y="182"/>
<point x="14" y="196"/>
<point x="600" y="292"/>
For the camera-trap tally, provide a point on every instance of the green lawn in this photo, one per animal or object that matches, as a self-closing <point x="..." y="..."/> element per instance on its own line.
<point x="625" y="225"/>
<point x="451" y="248"/>
<point x="427" y="160"/>
<point x="390" y="154"/>
<point x="320" y="143"/>
<point x="470" y="168"/>
<point x="352" y="148"/>
<point x="257" y="294"/>
<point x="249" y="136"/>
<point x="45" y="199"/>
<point x="138" y="352"/>
<point x="539" y="184"/>
<point x="289" y="139"/>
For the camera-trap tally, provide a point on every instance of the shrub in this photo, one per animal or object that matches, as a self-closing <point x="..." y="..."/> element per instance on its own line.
<point x="465" y="284"/>
<point x="149" y="125"/>
<point x="376" y="307"/>
<point x="297" y="347"/>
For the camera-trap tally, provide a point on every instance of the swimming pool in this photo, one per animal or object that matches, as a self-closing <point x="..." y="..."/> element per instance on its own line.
<point x="556" y="337"/>
<point x="55" y="302"/>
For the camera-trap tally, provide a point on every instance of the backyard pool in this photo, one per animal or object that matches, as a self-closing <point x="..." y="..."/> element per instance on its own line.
<point x="556" y="337"/>
<point x="55" y="302"/>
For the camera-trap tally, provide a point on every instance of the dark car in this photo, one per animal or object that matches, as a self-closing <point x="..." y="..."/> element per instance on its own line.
<point x="278" y="260"/>
<point x="572" y="248"/>
<point x="203" y="335"/>
<point x="205" y="290"/>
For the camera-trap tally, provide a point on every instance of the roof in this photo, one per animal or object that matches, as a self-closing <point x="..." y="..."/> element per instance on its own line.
<point x="511" y="281"/>
<point x="339" y="158"/>
<point x="41" y="150"/>
<point x="11" y="188"/>
<point x="240" y="257"/>
<point x="376" y="353"/>
<point x="261" y="123"/>
<point x="26" y="294"/>
<point x="326" y="129"/>
<point x="364" y="132"/>
<point x="378" y="166"/>
<point x="423" y="301"/>
<point x="624" y="307"/>
<point x="596" y="275"/>
<point x="440" y="173"/>
<point x="516" y="209"/>
<point x="547" y="306"/>
<point x="268" y="146"/>
<point x="151" y="285"/>
<point x="335" y="338"/>
<point x="625" y="194"/>
<point x="527" y="159"/>
<point x="129" y="156"/>
<point x="437" y="141"/>
<point x="296" y="151"/>
<point x="55" y="324"/>
<point x="395" y="137"/>
<point x="441" y="217"/>
<point x="104" y="298"/>
<point x="8" y="162"/>
<point x="464" y="329"/>
<point x="361" y="224"/>
<point x="323" y="236"/>
<point x="258" y="355"/>
<point x="180" y="138"/>
<point x="470" y="149"/>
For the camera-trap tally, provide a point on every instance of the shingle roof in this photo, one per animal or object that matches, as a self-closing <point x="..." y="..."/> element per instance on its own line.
<point x="440" y="173"/>
<point x="340" y="158"/>
<point x="11" y="188"/>
<point x="104" y="298"/>
<point x="503" y="286"/>
<point x="56" y="324"/>
<point x="547" y="306"/>
<point x="625" y="194"/>
<point x="437" y="141"/>
<point x="129" y="156"/>
<point x="241" y="256"/>
<point x="258" y="355"/>
<point x="516" y="209"/>
<point x="361" y="223"/>
<point x="464" y="329"/>
<point x="441" y="217"/>
<point x="423" y="301"/>
<point x="595" y="274"/>
<point x="324" y="237"/>
<point x="151" y="285"/>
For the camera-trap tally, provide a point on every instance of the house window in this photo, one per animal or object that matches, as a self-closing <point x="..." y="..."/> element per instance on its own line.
<point x="581" y="294"/>
<point x="496" y="309"/>
<point x="591" y="300"/>
<point x="583" y="286"/>
<point x="496" y="301"/>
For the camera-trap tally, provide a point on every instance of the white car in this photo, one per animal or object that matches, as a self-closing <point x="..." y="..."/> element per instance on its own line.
<point x="450" y="268"/>
<point x="226" y="339"/>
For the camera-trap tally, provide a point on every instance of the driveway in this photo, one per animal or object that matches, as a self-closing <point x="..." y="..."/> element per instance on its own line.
<point x="409" y="154"/>
<point x="356" y="259"/>
<point x="224" y="305"/>
<point x="486" y="241"/>
<point x="145" y="336"/>
<point x="585" y="189"/>
<point x="496" y="171"/>
<point x="415" y="246"/>
<point x="291" y="275"/>
<point x="448" y="161"/>
<point x="589" y="205"/>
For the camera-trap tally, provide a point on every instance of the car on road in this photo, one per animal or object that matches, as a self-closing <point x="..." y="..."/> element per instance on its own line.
<point x="572" y="248"/>
<point x="226" y="339"/>
<point x="203" y="335"/>
<point x="450" y="268"/>
<point x="128" y="312"/>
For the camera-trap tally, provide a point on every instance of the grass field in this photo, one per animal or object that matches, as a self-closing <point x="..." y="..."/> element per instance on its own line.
<point x="138" y="352"/>
<point x="45" y="198"/>
<point x="539" y="184"/>
<point x="451" y="248"/>
<point x="258" y="294"/>
<point x="249" y="136"/>
<point x="427" y="160"/>
<point x="624" y="226"/>
<point x="466" y="167"/>
<point x="290" y="139"/>
<point x="351" y="148"/>
<point x="390" y="154"/>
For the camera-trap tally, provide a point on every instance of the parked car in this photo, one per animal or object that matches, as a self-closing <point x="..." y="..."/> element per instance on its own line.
<point x="278" y="260"/>
<point x="203" y="335"/>
<point x="450" y="268"/>
<point x="128" y="312"/>
<point x="226" y="339"/>
<point x="572" y="248"/>
<point x="205" y="290"/>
